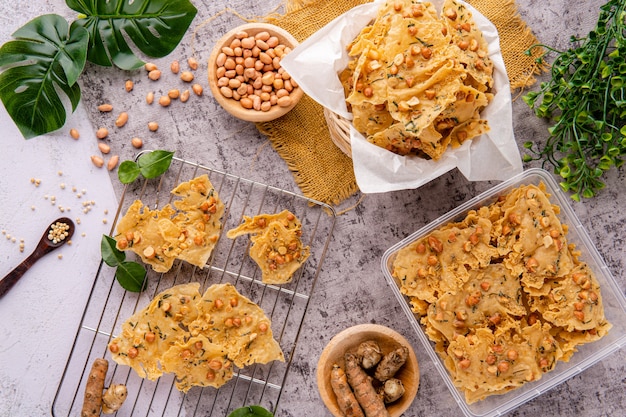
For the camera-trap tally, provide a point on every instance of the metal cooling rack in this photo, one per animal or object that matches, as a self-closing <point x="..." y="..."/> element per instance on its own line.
<point x="109" y="305"/>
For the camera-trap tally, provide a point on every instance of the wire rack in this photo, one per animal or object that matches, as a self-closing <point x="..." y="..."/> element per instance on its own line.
<point x="109" y="305"/>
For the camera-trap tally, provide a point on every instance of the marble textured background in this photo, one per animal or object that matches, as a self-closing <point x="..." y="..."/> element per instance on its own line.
<point x="351" y="289"/>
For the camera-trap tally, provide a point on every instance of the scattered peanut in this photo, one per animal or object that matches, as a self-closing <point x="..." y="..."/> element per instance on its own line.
<point x="153" y="126"/>
<point x="129" y="85"/>
<point x="193" y="64"/>
<point x="150" y="66"/>
<point x="121" y="119"/>
<point x="106" y="107"/>
<point x="197" y="88"/>
<point x="74" y="134"/>
<point x="102" y="133"/>
<point x="104" y="148"/>
<point x="97" y="161"/>
<point x="154" y="75"/>
<point x="184" y="96"/>
<point x="173" y="93"/>
<point x="136" y="142"/>
<point x="150" y="97"/>
<point x="165" y="101"/>
<point x="113" y="162"/>
<point x="175" y="67"/>
<point x="187" y="76"/>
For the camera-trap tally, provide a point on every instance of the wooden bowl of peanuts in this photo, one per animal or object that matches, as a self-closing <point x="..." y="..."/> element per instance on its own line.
<point x="245" y="74"/>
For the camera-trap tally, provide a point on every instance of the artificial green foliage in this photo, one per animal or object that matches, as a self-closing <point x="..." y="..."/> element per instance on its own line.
<point x="47" y="55"/>
<point x="585" y="99"/>
<point x="155" y="27"/>
<point x="44" y="56"/>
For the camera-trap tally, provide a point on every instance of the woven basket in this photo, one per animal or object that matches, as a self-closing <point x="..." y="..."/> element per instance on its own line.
<point x="339" y="129"/>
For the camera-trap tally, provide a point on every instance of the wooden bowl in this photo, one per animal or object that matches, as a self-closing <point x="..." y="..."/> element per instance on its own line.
<point x="233" y="106"/>
<point x="348" y="341"/>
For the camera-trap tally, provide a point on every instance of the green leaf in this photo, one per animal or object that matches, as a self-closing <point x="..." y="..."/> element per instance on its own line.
<point x="45" y="57"/>
<point x="155" y="27"/>
<point x="154" y="163"/>
<point x="111" y="255"/>
<point x="131" y="276"/>
<point x="251" y="411"/>
<point x="128" y="172"/>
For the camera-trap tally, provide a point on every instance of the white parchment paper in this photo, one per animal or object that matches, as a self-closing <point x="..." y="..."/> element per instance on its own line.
<point x="315" y="65"/>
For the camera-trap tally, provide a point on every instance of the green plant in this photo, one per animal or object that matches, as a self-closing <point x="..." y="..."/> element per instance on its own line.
<point x="585" y="99"/>
<point x="47" y="55"/>
<point x="130" y="275"/>
<point x="150" y="165"/>
<point x="251" y="411"/>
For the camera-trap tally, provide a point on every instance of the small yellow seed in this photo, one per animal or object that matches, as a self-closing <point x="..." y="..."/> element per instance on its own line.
<point x="186" y="76"/>
<point x="106" y="107"/>
<point x="164" y="101"/>
<point x="175" y="67"/>
<point x="154" y="75"/>
<point x="113" y="162"/>
<point x="102" y="133"/>
<point x="104" y="148"/>
<point x="193" y="64"/>
<point x="129" y="85"/>
<point x="97" y="161"/>
<point x="197" y="88"/>
<point x="184" y="96"/>
<point x="136" y="142"/>
<point x="150" y="97"/>
<point x="121" y="119"/>
<point x="153" y="126"/>
<point x="74" y="134"/>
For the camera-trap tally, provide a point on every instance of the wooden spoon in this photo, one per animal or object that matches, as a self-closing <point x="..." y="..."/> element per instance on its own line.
<point x="45" y="245"/>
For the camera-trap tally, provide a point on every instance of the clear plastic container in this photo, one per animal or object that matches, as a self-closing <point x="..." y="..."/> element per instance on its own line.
<point x="587" y="354"/>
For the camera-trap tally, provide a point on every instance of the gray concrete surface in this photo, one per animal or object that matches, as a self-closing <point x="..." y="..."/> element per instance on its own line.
<point x="351" y="289"/>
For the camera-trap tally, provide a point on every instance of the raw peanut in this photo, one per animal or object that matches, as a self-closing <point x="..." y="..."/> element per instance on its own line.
<point x="136" y="142"/>
<point x="102" y="133"/>
<point x="150" y="66"/>
<point x="129" y="85"/>
<point x="150" y="97"/>
<point x="173" y="94"/>
<point x="193" y="64"/>
<point x="164" y="101"/>
<point x="175" y="67"/>
<point x="121" y="119"/>
<point x="105" y="107"/>
<point x="154" y="75"/>
<point x="74" y="134"/>
<point x="104" y="148"/>
<point x="184" y="96"/>
<point x="153" y="126"/>
<point x="97" y="161"/>
<point x="186" y="76"/>
<point x="113" y="162"/>
<point x="197" y="88"/>
<point x="284" y="101"/>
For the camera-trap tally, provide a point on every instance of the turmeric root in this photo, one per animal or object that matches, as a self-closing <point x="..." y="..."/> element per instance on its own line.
<point x="391" y="363"/>
<point x="93" y="390"/>
<point x="365" y="393"/>
<point x="345" y="397"/>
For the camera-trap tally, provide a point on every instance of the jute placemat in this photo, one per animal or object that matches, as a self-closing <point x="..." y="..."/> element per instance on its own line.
<point x="321" y="170"/>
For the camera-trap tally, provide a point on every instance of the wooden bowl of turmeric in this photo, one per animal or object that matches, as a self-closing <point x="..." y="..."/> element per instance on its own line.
<point x="245" y="74"/>
<point x="370" y="366"/>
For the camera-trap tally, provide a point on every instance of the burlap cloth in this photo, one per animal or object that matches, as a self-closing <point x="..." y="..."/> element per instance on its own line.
<point x="301" y="137"/>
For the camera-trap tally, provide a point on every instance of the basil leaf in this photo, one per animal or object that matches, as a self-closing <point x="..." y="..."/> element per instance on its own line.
<point x="110" y="254"/>
<point x="251" y="411"/>
<point x="46" y="58"/>
<point x="128" y="171"/>
<point x="155" y="27"/>
<point x="154" y="163"/>
<point x="131" y="276"/>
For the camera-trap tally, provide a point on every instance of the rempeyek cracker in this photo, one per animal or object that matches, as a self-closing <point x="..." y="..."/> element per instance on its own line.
<point x="199" y="338"/>
<point x="502" y="293"/>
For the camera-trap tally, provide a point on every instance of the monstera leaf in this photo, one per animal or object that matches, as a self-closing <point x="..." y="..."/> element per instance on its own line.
<point x="155" y="27"/>
<point x="45" y="56"/>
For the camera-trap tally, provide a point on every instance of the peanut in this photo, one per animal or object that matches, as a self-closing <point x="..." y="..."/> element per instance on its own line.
<point x="193" y="64"/>
<point x="104" y="148"/>
<point x="150" y="97"/>
<point x="174" y="93"/>
<point x="186" y="76"/>
<point x="136" y="142"/>
<point x="113" y="162"/>
<point x="74" y="134"/>
<point x="150" y="66"/>
<point x="128" y="85"/>
<point x="153" y="126"/>
<point x="184" y="96"/>
<point x="197" y="88"/>
<point x="121" y="119"/>
<point x="102" y="133"/>
<point x="105" y="107"/>
<point x="97" y="161"/>
<point x="164" y="101"/>
<point x="175" y="67"/>
<point x="154" y="75"/>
